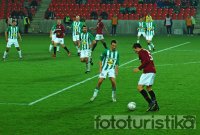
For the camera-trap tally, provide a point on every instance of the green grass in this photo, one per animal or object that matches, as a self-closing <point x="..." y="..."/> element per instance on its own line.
<point x="69" y="112"/>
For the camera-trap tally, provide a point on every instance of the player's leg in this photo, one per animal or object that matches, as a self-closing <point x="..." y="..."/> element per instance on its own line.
<point x="148" y="43"/>
<point x="64" y="46"/>
<point x="90" y="56"/>
<point x="115" y="29"/>
<point x="138" y="37"/>
<point x="111" y="75"/>
<point x="6" y="52"/>
<point x="113" y="82"/>
<point x="87" y="65"/>
<point x="8" y="46"/>
<point x="94" y="46"/>
<point x="66" y="49"/>
<point x="19" y="52"/>
<point x="104" y="43"/>
<point x="78" y="42"/>
<point x="51" y="46"/>
<point x="152" y="45"/>
<point x="58" y="48"/>
<point x="55" y="47"/>
<point x="18" y="48"/>
<point x="145" y="80"/>
<point x="96" y="90"/>
<point x="153" y="97"/>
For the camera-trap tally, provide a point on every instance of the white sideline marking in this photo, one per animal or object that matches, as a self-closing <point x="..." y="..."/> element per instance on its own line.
<point x="162" y="65"/>
<point x="13" y="103"/>
<point x="62" y="90"/>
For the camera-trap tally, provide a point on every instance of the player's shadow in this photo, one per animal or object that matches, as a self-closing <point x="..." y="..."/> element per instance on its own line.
<point x="72" y="111"/>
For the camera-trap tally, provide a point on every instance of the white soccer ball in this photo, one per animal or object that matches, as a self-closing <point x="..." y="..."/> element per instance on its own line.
<point x="131" y="106"/>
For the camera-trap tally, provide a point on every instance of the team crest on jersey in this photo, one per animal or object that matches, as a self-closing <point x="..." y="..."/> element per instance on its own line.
<point x="84" y="42"/>
<point x="110" y="61"/>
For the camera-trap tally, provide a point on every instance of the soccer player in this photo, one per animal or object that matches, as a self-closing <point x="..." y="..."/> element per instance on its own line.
<point x="76" y="30"/>
<point x="53" y="37"/>
<point x="141" y="29"/>
<point x="150" y="33"/>
<point x="99" y="33"/>
<point x="60" y="33"/>
<point x="86" y="42"/>
<point x="109" y="62"/>
<point x="147" y="78"/>
<point x="11" y="35"/>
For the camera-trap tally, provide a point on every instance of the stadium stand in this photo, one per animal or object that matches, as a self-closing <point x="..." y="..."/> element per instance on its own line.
<point x="127" y="10"/>
<point x="18" y="8"/>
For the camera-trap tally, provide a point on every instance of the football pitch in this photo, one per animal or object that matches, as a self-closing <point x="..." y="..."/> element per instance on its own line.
<point x="41" y="95"/>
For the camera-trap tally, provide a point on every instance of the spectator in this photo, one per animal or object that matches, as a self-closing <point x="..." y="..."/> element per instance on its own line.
<point x="189" y="25"/>
<point x="67" y="21"/>
<point x="168" y="24"/>
<point x="193" y="23"/>
<point x="114" y="24"/>
<point x="34" y="4"/>
<point x="148" y="17"/>
<point x="26" y="24"/>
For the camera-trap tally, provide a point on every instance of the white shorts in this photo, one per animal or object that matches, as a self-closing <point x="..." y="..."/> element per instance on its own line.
<point x="59" y="41"/>
<point x="146" y="79"/>
<point x="85" y="53"/>
<point x="110" y="73"/>
<point x="149" y="38"/>
<point x="99" y="37"/>
<point x="53" y="37"/>
<point x="141" y="33"/>
<point x="75" y="38"/>
<point x="12" y="42"/>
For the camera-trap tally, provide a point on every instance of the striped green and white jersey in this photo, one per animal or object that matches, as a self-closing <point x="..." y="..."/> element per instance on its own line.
<point x="53" y="29"/>
<point x="12" y="32"/>
<point x="76" y="27"/>
<point x="109" y="59"/>
<point x="150" y="28"/>
<point x="85" y="40"/>
<point x="141" y="26"/>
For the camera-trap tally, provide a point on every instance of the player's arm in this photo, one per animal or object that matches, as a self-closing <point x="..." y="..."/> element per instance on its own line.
<point x="63" y="30"/>
<point x="20" y="37"/>
<point x="50" y="34"/>
<point x="145" y="61"/>
<point x="102" y="57"/>
<point x="79" y="43"/>
<point x="117" y="65"/>
<point x="105" y="29"/>
<point x="6" y="34"/>
<point x="91" y="37"/>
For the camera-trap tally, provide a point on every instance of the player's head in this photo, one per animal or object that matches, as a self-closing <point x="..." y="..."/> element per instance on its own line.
<point x="77" y="18"/>
<point x="58" y="21"/>
<point x="167" y="15"/>
<point x="141" y="19"/>
<point x="99" y="18"/>
<point x="14" y="23"/>
<point x="137" y="47"/>
<point x="113" y="45"/>
<point x="84" y="28"/>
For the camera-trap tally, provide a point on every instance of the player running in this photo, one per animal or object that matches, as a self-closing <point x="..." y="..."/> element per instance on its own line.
<point x="60" y="33"/>
<point x="85" y="44"/>
<point x="53" y="37"/>
<point x="108" y="66"/>
<point x="147" y="78"/>
<point x="76" y="30"/>
<point x="150" y="26"/>
<point x="141" y="29"/>
<point x="99" y="33"/>
<point x="11" y="35"/>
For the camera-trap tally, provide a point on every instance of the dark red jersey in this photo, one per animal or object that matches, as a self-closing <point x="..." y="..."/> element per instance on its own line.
<point x="60" y="31"/>
<point x="147" y="63"/>
<point x="99" y="28"/>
